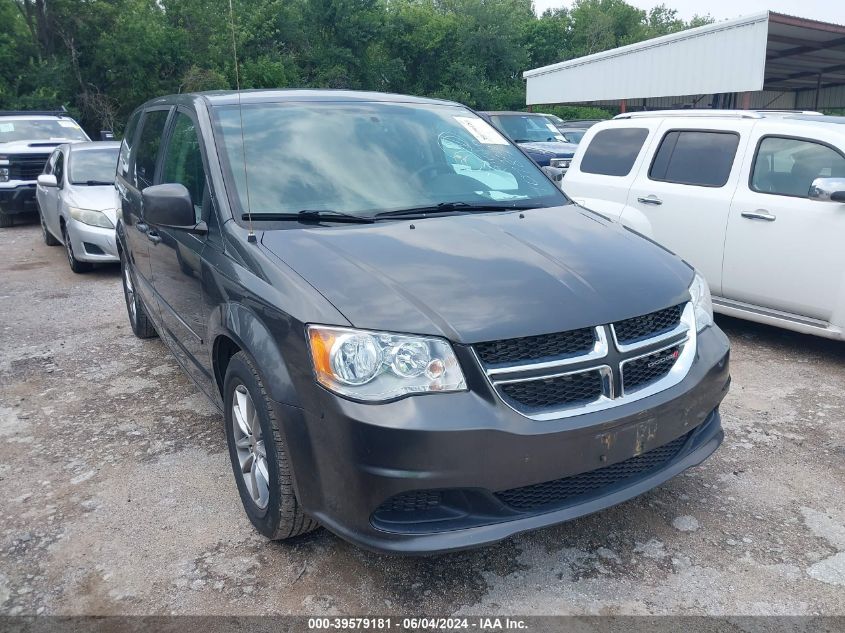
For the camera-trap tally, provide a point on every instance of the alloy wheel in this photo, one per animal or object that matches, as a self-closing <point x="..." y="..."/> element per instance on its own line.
<point x="129" y="289"/>
<point x="249" y="444"/>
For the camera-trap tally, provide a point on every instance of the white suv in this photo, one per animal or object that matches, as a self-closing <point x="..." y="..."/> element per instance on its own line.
<point x="754" y="200"/>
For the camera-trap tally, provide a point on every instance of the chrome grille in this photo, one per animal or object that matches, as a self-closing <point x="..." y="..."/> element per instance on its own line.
<point x="567" y="389"/>
<point x="614" y="364"/>
<point x="26" y="166"/>
<point x="648" y="325"/>
<point x="534" y="348"/>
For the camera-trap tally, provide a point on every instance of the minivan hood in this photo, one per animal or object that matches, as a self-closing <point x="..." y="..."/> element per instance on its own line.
<point x="557" y="149"/>
<point x="99" y="198"/>
<point x="483" y="277"/>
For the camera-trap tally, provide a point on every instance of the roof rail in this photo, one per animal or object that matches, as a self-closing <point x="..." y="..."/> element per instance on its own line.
<point x="62" y="112"/>
<point x="729" y="114"/>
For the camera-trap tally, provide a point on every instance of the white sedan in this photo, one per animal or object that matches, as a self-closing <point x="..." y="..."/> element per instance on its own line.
<point x="77" y="202"/>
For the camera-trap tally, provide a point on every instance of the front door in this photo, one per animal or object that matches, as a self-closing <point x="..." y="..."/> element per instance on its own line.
<point x="783" y="250"/>
<point x="135" y="172"/>
<point x="48" y="197"/>
<point x="176" y="254"/>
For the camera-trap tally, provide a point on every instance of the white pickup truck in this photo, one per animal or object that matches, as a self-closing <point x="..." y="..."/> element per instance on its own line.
<point x="754" y="200"/>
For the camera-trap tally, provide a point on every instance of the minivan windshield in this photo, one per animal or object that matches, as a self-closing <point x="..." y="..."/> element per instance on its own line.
<point x="40" y="130"/>
<point x="368" y="158"/>
<point x="93" y="166"/>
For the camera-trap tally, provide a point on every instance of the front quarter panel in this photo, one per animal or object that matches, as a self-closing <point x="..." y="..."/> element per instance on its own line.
<point x="263" y="306"/>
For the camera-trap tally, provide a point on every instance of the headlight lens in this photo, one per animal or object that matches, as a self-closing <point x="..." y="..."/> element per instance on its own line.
<point x="377" y="366"/>
<point x="4" y="174"/>
<point x="700" y="294"/>
<point x="560" y="163"/>
<point x="91" y="217"/>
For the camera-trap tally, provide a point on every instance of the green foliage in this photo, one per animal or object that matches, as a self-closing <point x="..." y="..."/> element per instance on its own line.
<point x="102" y="58"/>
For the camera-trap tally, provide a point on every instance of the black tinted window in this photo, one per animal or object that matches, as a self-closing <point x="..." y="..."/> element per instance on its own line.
<point x="788" y="166"/>
<point x="147" y="150"/>
<point x="183" y="161"/>
<point x="126" y="145"/>
<point x="613" y="152"/>
<point x="695" y="158"/>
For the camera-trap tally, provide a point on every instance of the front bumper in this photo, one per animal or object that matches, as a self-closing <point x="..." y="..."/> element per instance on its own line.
<point x="92" y="243"/>
<point x="17" y="197"/>
<point x="351" y="459"/>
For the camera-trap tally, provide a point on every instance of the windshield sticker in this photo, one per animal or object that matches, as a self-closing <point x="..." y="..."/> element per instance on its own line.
<point x="7" y="127"/>
<point x="481" y="130"/>
<point x="70" y="124"/>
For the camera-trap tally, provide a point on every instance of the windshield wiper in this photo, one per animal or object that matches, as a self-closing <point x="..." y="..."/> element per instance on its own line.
<point x="312" y="215"/>
<point x="451" y="207"/>
<point x="95" y="183"/>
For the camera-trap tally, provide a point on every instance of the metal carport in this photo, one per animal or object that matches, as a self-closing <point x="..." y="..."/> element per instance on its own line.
<point x="766" y="60"/>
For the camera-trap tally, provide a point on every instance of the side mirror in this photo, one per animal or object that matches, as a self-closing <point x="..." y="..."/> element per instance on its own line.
<point x="168" y="205"/>
<point x="47" y="180"/>
<point x="828" y="189"/>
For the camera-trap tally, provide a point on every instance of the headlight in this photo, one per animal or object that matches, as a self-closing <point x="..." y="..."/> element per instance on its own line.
<point x="91" y="217"/>
<point x="560" y="163"/>
<point x="700" y="294"/>
<point x="4" y="174"/>
<point x="376" y="366"/>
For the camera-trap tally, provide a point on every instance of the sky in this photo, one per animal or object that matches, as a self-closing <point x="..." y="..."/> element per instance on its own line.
<point x="825" y="10"/>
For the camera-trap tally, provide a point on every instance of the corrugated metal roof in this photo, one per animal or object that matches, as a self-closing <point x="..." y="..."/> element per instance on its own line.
<point x="768" y="51"/>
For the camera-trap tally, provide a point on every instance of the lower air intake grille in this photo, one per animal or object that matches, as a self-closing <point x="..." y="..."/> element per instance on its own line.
<point x="515" y="350"/>
<point x="645" y="370"/>
<point x="646" y="326"/>
<point x="559" y="491"/>
<point x="546" y="393"/>
<point x="414" y="501"/>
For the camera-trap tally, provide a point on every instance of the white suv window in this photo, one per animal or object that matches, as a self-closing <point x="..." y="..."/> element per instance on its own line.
<point x="613" y="152"/>
<point x="788" y="166"/>
<point x="695" y="157"/>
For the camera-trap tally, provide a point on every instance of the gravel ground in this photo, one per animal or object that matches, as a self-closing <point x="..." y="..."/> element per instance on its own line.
<point x="116" y="496"/>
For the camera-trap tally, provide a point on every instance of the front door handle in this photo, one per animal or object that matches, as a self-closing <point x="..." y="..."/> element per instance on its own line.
<point x="759" y="214"/>
<point x="652" y="199"/>
<point x="154" y="237"/>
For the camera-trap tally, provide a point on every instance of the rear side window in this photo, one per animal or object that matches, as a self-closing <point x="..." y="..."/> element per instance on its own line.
<point x="613" y="152"/>
<point x="691" y="157"/>
<point x="126" y="145"/>
<point x="147" y="150"/>
<point x="788" y="166"/>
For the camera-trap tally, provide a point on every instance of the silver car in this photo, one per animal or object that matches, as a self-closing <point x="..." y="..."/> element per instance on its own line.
<point x="77" y="202"/>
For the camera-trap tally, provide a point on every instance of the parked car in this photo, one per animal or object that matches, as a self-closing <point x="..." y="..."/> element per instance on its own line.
<point x="754" y="200"/>
<point x="77" y="202"/>
<point x="417" y="356"/>
<point x="537" y="135"/>
<point x="26" y="140"/>
<point x="572" y="131"/>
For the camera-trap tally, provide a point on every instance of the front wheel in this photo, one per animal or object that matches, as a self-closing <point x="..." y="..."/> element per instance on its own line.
<point x="75" y="265"/>
<point x="259" y="456"/>
<point x="6" y="220"/>
<point x="141" y="324"/>
<point x="49" y="238"/>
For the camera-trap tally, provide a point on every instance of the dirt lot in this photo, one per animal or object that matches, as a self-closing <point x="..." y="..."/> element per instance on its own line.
<point x="116" y="495"/>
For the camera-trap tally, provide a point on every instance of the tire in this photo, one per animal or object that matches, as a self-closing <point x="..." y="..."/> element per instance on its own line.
<point x="279" y="515"/>
<point x="6" y="220"/>
<point x="49" y="238"/>
<point x="139" y="320"/>
<point x="75" y="265"/>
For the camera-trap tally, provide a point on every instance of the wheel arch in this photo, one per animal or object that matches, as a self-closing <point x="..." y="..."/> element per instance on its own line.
<point x="234" y="328"/>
